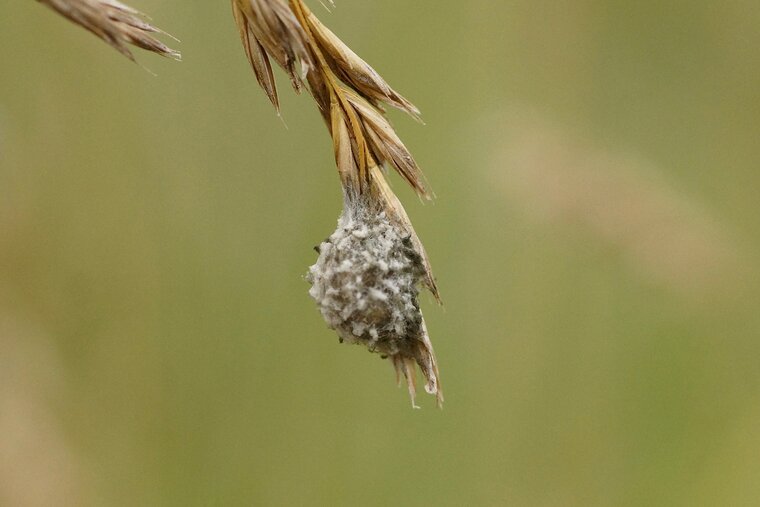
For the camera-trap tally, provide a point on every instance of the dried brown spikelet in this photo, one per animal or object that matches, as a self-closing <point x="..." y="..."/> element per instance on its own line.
<point x="344" y="86"/>
<point x="352" y="69"/>
<point x="117" y="24"/>
<point x="269" y="28"/>
<point x="350" y="95"/>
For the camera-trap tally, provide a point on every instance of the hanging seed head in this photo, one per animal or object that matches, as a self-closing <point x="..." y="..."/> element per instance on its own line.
<point x="117" y="24"/>
<point x="365" y="283"/>
<point x="367" y="276"/>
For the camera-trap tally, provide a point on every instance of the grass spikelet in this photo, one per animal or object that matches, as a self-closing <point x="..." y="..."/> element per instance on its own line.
<point x="365" y="280"/>
<point x="115" y="23"/>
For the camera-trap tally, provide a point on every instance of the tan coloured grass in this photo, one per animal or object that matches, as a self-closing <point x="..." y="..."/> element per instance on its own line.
<point x="350" y="96"/>
<point x="117" y="24"/>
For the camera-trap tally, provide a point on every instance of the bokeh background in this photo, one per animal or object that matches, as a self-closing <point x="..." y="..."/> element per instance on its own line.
<point x="596" y="239"/>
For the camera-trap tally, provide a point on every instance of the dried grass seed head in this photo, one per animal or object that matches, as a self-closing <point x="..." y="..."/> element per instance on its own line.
<point x="347" y="90"/>
<point x="115" y="23"/>
<point x="366" y="279"/>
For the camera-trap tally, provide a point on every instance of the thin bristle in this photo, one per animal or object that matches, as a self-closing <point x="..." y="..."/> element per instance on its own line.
<point x="115" y="23"/>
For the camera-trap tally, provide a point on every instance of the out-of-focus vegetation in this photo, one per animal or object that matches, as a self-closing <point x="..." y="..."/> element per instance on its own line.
<point x="595" y="237"/>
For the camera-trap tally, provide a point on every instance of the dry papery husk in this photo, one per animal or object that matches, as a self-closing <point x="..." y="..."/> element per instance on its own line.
<point x="118" y="24"/>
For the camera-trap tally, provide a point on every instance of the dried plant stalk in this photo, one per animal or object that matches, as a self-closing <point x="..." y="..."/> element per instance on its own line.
<point x="365" y="280"/>
<point x="117" y="24"/>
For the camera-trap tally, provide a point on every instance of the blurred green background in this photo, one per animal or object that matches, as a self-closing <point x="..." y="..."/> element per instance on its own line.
<point x="596" y="240"/>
